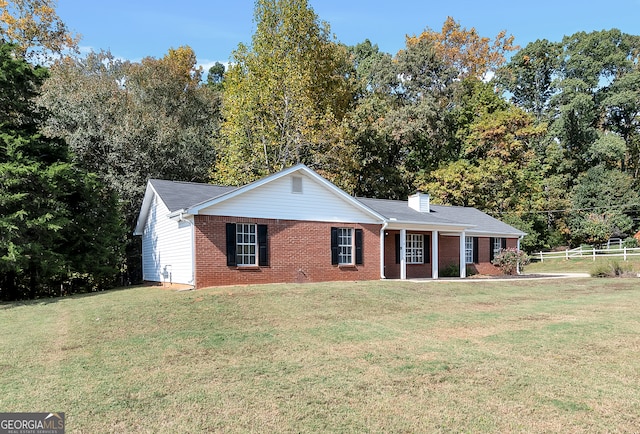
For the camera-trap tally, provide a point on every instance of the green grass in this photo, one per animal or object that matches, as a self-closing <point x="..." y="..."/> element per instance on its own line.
<point x="579" y="265"/>
<point x="476" y="356"/>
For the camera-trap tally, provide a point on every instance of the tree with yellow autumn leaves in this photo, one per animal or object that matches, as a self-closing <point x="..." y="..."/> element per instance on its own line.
<point x="36" y="29"/>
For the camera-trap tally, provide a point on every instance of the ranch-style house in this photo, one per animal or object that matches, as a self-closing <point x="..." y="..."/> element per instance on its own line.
<point x="296" y="226"/>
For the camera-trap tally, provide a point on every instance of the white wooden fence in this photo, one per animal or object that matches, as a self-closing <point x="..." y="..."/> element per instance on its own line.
<point x="581" y="252"/>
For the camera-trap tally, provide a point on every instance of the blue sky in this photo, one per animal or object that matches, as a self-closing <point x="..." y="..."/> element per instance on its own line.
<point x="135" y="29"/>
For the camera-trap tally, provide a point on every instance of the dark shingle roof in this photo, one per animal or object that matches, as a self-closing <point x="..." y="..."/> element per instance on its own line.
<point x="483" y="222"/>
<point x="400" y="211"/>
<point x="181" y="195"/>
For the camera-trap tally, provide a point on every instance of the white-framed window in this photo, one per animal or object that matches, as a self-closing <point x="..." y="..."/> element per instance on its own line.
<point x="497" y="246"/>
<point x="415" y="249"/>
<point x="468" y="250"/>
<point x="345" y="246"/>
<point x="246" y="244"/>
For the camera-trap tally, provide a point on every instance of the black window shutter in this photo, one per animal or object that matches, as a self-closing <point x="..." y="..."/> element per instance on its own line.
<point x="231" y="244"/>
<point x="503" y="243"/>
<point x="359" y="236"/>
<point x="426" y="249"/>
<point x="475" y="250"/>
<point x="334" y="246"/>
<point x="397" y="248"/>
<point x="263" y="248"/>
<point x="491" y="252"/>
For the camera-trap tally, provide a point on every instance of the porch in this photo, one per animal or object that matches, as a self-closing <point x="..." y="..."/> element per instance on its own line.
<point x="411" y="253"/>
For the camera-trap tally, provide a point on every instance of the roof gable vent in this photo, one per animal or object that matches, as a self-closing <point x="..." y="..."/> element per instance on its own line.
<point x="419" y="202"/>
<point x="296" y="184"/>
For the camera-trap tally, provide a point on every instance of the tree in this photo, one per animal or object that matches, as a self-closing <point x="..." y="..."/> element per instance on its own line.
<point x="215" y="76"/>
<point x="285" y="97"/>
<point x="620" y="106"/>
<point x="529" y="76"/>
<point x="51" y="212"/>
<point x="608" y="150"/>
<point x="465" y="50"/>
<point x="604" y="202"/>
<point x="129" y="122"/>
<point x="35" y="28"/>
<point x="400" y="124"/>
<point x="593" y="86"/>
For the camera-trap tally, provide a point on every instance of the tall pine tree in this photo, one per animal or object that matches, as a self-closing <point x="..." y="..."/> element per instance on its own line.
<point x="57" y="225"/>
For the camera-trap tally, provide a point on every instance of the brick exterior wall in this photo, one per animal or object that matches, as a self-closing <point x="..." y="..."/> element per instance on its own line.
<point x="299" y="251"/>
<point x="449" y="251"/>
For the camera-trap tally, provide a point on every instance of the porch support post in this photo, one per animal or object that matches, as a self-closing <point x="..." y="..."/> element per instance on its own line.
<point x="382" y="276"/>
<point x="463" y="261"/>
<point x="518" y="262"/>
<point x="434" y="254"/>
<point x="403" y="256"/>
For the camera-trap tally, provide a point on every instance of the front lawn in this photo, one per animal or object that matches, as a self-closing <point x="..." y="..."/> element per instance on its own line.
<point x="476" y="356"/>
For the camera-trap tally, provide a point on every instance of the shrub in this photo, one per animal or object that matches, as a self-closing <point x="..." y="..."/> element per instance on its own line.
<point x="453" y="270"/>
<point x="508" y="260"/>
<point x="611" y="269"/>
<point x="630" y="243"/>
<point x="620" y="269"/>
<point x="601" y="270"/>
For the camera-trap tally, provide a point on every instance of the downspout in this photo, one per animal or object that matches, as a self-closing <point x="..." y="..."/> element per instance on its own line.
<point x="518" y="249"/>
<point x="193" y="248"/>
<point x="382" y="236"/>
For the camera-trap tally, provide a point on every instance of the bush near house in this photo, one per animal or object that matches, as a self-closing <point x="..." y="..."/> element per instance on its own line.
<point x="510" y="261"/>
<point x="453" y="270"/>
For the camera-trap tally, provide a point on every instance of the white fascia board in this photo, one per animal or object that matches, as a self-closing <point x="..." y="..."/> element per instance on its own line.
<point x="297" y="168"/>
<point x="144" y="208"/>
<point x="422" y="226"/>
<point x="495" y="234"/>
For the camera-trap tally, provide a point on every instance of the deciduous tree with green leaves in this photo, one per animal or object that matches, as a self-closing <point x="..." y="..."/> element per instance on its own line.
<point x="604" y="202"/>
<point x="285" y="97"/>
<point x="131" y="121"/>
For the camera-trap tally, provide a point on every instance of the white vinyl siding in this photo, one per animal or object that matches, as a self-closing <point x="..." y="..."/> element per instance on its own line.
<point x="275" y="200"/>
<point x="166" y="247"/>
<point x="414" y="247"/>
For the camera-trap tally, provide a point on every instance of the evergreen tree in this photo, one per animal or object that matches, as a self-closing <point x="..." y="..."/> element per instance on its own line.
<point x="57" y="224"/>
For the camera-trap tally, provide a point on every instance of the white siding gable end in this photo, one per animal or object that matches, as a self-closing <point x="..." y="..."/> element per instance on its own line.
<point x="298" y="195"/>
<point x="167" y="249"/>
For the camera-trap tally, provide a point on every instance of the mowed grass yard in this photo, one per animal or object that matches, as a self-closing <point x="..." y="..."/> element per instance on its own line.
<point x="478" y="356"/>
<point x="581" y="265"/>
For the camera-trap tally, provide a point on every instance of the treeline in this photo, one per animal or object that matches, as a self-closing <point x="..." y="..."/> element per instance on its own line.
<point x="545" y="137"/>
